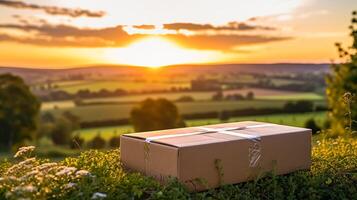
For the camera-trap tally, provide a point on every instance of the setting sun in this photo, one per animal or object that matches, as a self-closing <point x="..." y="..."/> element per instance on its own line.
<point x="156" y="52"/>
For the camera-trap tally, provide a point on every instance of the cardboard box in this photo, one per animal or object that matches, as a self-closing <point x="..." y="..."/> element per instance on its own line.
<point x="209" y="156"/>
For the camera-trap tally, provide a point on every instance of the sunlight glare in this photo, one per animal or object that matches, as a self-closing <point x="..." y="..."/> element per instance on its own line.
<point x="156" y="52"/>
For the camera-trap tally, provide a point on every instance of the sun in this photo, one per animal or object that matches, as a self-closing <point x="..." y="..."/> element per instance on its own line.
<point x="155" y="52"/>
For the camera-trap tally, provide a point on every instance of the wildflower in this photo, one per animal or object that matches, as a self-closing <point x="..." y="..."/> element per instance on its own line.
<point x="99" y="195"/>
<point x="82" y="173"/>
<point x="70" y="185"/>
<point x="66" y="171"/>
<point x="27" y="188"/>
<point x="24" y="150"/>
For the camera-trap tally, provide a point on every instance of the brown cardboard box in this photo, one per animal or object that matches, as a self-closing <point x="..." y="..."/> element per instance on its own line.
<point x="218" y="154"/>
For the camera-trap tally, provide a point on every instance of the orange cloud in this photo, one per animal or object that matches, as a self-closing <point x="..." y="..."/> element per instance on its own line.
<point x="53" y="10"/>
<point x="65" y="35"/>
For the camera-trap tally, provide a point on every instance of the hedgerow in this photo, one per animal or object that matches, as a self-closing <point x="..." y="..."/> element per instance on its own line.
<point x="99" y="175"/>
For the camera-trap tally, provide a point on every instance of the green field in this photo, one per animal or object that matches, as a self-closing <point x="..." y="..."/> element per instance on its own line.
<point x="97" y="85"/>
<point x="286" y="119"/>
<point x="119" y="111"/>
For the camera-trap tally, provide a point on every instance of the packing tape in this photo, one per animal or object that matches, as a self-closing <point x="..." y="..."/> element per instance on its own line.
<point x="254" y="152"/>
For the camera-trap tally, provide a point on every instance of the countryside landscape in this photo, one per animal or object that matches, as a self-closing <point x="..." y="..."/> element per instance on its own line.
<point x="75" y="77"/>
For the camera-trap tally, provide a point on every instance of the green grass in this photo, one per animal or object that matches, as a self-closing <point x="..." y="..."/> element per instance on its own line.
<point x="297" y="96"/>
<point x="286" y="119"/>
<point x="333" y="175"/>
<point x="113" y="85"/>
<point x="141" y="97"/>
<point x="297" y="119"/>
<point x="119" y="111"/>
<point x="105" y="132"/>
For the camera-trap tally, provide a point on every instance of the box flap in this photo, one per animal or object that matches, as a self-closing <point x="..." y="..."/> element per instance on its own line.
<point x="183" y="136"/>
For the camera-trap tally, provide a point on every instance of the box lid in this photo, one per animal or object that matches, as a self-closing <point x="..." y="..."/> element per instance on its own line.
<point x="193" y="136"/>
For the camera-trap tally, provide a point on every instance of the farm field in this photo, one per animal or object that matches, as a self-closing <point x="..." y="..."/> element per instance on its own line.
<point x="286" y="119"/>
<point x="258" y="93"/>
<point x="95" y="86"/>
<point x="119" y="111"/>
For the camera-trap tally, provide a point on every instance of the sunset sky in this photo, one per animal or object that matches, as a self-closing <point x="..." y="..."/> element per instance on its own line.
<point x="67" y="33"/>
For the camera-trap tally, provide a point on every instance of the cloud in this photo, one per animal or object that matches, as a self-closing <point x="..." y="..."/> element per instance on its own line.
<point x="65" y="35"/>
<point x="53" y="10"/>
<point x="233" y="26"/>
<point x="222" y="42"/>
<point x="144" y="26"/>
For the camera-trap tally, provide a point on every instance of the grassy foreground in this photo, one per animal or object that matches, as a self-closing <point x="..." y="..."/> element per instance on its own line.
<point x="99" y="175"/>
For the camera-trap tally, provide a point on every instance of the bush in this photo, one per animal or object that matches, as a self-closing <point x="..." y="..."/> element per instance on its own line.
<point x="343" y="80"/>
<point x="97" y="142"/>
<point x="311" y="124"/>
<point x="114" y="142"/>
<point x="299" y="106"/>
<point x="62" y="132"/>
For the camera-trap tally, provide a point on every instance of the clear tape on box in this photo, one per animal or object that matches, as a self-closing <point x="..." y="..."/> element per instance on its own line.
<point x="254" y="151"/>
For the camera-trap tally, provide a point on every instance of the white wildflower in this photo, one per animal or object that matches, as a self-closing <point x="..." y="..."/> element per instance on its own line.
<point x="99" y="195"/>
<point x="26" y="164"/>
<point x="27" y="188"/>
<point x="29" y="174"/>
<point x="82" y="173"/>
<point x="46" y="166"/>
<point x="70" y="185"/>
<point x="24" y="150"/>
<point x="66" y="171"/>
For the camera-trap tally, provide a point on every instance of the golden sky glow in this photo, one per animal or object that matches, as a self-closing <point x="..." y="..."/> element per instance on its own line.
<point x="155" y="33"/>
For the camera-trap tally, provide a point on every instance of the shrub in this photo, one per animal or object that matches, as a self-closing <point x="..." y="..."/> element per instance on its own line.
<point x="311" y="124"/>
<point x="97" y="142"/>
<point x="342" y="80"/>
<point x="114" y="142"/>
<point x="299" y="106"/>
<point x="62" y="132"/>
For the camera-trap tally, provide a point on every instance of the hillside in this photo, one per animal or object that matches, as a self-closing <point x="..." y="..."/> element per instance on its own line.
<point x="33" y="74"/>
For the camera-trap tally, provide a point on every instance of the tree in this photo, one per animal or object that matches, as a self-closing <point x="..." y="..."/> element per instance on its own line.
<point x="156" y="115"/>
<point x="311" y="124"/>
<point x="19" y="110"/>
<point x="62" y="131"/>
<point x="343" y="80"/>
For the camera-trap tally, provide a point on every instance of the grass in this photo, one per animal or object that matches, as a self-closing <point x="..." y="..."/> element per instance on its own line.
<point x="297" y="96"/>
<point x="286" y="119"/>
<point x="119" y="111"/>
<point x="113" y="85"/>
<point x="333" y="175"/>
